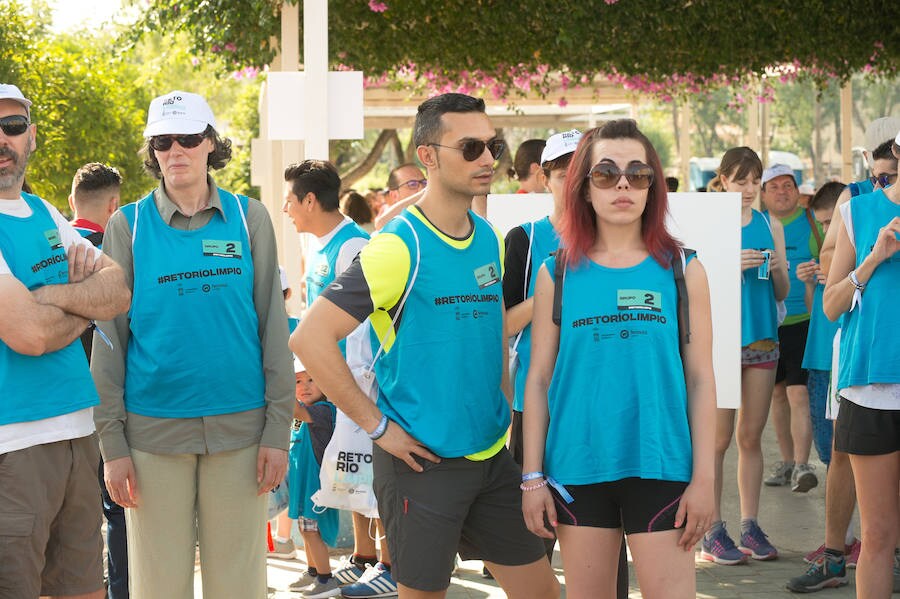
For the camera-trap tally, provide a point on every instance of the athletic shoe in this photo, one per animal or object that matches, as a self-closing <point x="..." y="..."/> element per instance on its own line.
<point x="781" y="475"/>
<point x="756" y="544"/>
<point x="376" y="582"/>
<point x="283" y="549"/>
<point x="896" y="572"/>
<point x="803" y="478"/>
<point x="321" y="590"/>
<point x="719" y="548"/>
<point x="824" y="573"/>
<point x="347" y="572"/>
<point x="301" y="583"/>
<point x="851" y="554"/>
<point x="814" y="555"/>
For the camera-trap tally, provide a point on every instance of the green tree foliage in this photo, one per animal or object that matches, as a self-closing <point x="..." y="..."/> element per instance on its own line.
<point x="85" y="104"/>
<point x="649" y="45"/>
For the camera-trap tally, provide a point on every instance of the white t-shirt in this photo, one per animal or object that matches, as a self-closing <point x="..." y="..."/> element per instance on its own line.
<point x="21" y="435"/>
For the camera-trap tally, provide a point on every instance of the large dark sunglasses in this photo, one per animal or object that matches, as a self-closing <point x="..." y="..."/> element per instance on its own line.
<point x="14" y="125"/>
<point x="606" y="175"/>
<point x="474" y="148"/>
<point x="163" y="143"/>
<point x="413" y="184"/>
<point x="883" y="180"/>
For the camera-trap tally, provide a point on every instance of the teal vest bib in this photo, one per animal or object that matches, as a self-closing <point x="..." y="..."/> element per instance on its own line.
<point x="38" y="387"/>
<point x="617" y="399"/>
<point x="440" y="380"/>
<point x="194" y="348"/>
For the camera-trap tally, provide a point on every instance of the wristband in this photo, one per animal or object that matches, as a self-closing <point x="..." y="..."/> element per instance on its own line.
<point x="380" y="429"/>
<point x="525" y="487"/>
<point x="532" y="476"/>
<point x="855" y="281"/>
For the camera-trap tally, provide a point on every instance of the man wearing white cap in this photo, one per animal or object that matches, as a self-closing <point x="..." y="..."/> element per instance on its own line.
<point x="53" y="283"/>
<point x="790" y="399"/>
<point x="197" y="391"/>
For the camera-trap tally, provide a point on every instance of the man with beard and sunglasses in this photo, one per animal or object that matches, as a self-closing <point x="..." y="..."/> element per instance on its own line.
<point x="53" y="283"/>
<point x="430" y="283"/>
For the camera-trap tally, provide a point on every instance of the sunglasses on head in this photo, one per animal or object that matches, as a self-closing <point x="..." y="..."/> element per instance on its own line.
<point x="162" y="143"/>
<point x="883" y="180"/>
<point x="14" y="125"/>
<point x="606" y="175"/>
<point x="413" y="184"/>
<point x="474" y="148"/>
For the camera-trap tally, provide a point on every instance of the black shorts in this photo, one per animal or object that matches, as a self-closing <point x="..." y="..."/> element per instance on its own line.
<point x="458" y="505"/>
<point x="792" y="345"/>
<point x="865" y="431"/>
<point x="633" y="504"/>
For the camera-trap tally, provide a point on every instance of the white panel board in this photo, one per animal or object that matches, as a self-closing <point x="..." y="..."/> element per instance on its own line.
<point x="707" y="222"/>
<point x="285" y="103"/>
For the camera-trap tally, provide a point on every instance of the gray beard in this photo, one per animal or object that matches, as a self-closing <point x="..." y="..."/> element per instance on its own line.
<point x="13" y="176"/>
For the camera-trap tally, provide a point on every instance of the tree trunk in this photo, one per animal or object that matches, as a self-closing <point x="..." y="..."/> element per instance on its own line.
<point x="399" y="154"/>
<point x="818" y="175"/>
<point x="360" y="170"/>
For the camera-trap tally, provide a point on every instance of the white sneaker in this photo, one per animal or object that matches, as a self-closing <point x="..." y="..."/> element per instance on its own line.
<point x="803" y="478"/>
<point x="283" y="549"/>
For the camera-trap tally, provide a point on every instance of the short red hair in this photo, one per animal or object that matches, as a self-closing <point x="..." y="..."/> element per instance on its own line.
<point x="578" y="227"/>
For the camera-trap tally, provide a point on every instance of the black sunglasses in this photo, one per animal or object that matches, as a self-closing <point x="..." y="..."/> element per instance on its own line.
<point x="14" y="125"/>
<point x="474" y="148"/>
<point x="883" y="180"/>
<point x="413" y="184"/>
<point x="606" y="175"/>
<point x="162" y="143"/>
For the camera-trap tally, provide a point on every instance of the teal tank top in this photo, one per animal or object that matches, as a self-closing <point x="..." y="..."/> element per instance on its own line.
<point x="800" y="246"/>
<point x="870" y="352"/>
<point x="440" y="379"/>
<point x="759" y="314"/>
<point x="617" y="399"/>
<point x="56" y="383"/>
<point x="544" y="242"/>
<point x="194" y="348"/>
<point x="820" y="339"/>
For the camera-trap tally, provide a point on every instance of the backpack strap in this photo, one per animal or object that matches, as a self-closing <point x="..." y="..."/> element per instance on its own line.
<point x="679" y="263"/>
<point x="527" y="278"/>
<point x="815" y="228"/>
<point x="559" y="278"/>
<point x="403" y="298"/>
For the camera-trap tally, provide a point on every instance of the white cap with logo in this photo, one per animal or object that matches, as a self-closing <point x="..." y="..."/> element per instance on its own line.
<point x="178" y="113"/>
<point x="11" y="92"/>
<point x="560" y="144"/>
<point x="880" y="131"/>
<point x="777" y="170"/>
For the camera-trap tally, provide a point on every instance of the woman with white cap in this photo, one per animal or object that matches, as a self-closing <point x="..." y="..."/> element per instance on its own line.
<point x="197" y="391"/>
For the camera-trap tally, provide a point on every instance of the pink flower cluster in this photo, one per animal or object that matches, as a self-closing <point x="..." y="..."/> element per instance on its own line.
<point x="376" y="6"/>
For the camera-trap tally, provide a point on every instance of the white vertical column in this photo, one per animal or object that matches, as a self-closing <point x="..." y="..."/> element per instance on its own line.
<point x="315" y="66"/>
<point x="846" y="132"/>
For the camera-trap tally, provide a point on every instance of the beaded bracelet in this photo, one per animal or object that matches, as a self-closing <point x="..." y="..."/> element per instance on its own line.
<point x="380" y="429"/>
<point x="855" y="281"/>
<point x="525" y="487"/>
<point x="531" y="476"/>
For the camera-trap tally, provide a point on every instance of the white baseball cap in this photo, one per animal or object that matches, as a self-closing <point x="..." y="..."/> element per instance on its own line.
<point x="9" y="91"/>
<point x="881" y="130"/>
<point x="776" y="170"/>
<point x="282" y="274"/>
<point x="298" y="365"/>
<point x="807" y="190"/>
<point x="178" y="113"/>
<point x="897" y="139"/>
<point x="560" y="144"/>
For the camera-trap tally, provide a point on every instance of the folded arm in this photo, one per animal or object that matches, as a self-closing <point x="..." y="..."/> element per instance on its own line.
<point x="30" y="327"/>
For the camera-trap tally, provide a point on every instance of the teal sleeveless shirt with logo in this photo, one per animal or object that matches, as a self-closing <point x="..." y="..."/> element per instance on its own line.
<point x="800" y="246"/>
<point x="321" y="265"/>
<point x="194" y="348"/>
<point x="544" y="242"/>
<point x="440" y="379"/>
<point x="759" y="314"/>
<point x="56" y="383"/>
<point x="870" y="352"/>
<point x="617" y="399"/>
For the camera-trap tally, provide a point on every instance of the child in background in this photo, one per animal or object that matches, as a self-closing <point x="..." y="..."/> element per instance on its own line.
<point x="312" y="430"/>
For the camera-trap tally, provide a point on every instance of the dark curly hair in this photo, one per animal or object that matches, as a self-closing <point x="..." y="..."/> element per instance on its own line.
<point x="218" y="158"/>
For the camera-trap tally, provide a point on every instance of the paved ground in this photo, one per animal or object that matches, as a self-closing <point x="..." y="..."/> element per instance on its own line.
<point x="793" y="522"/>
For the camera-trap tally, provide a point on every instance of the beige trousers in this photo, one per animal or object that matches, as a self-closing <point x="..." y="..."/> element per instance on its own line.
<point x="186" y="498"/>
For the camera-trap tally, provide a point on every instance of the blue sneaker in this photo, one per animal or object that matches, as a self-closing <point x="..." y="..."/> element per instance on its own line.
<point x="719" y="548"/>
<point x="824" y="573"/>
<point x="347" y="572"/>
<point x="756" y="544"/>
<point x="376" y="582"/>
